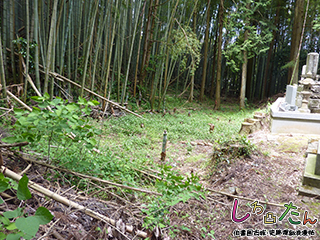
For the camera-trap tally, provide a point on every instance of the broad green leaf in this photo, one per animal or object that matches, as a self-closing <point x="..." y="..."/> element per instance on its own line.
<point x="1" y="201"/>
<point x="55" y="101"/>
<point x="72" y="107"/>
<point x="43" y="215"/>
<point x="11" y="226"/>
<point x="18" y="110"/>
<point x="4" y="220"/>
<point x="14" y="236"/>
<point x="36" y="122"/>
<point x="82" y="101"/>
<point x="4" y="185"/>
<point x="59" y="110"/>
<point x="2" y="236"/>
<point x="29" y="226"/>
<point x="95" y="102"/>
<point x="36" y="110"/>
<point x="13" y="214"/>
<point x="46" y="96"/>
<point x="43" y="105"/>
<point x="23" y="191"/>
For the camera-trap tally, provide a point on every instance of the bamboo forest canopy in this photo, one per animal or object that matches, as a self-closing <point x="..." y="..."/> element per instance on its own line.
<point x="130" y="49"/>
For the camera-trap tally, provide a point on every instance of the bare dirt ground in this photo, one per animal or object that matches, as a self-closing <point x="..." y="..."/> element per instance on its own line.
<point x="273" y="173"/>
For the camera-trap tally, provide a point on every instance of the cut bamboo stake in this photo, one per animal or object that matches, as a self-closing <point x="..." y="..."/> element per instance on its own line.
<point x="62" y="78"/>
<point x="92" y="178"/>
<point x="69" y="203"/>
<point x="19" y="101"/>
<point x="164" y="146"/>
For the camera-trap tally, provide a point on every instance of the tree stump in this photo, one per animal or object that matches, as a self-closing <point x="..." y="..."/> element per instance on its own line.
<point x="247" y="128"/>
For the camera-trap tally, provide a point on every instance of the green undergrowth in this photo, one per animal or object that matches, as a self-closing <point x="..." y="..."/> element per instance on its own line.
<point x="127" y="144"/>
<point x="139" y="139"/>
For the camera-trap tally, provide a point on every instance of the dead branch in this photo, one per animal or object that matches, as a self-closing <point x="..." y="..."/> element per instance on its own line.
<point x="7" y="112"/>
<point x="91" y="178"/>
<point x="62" y="78"/>
<point x="244" y="198"/>
<point x="25" y="170"/>
<point x="7" y="145"/>
<point x="69" y="203"/>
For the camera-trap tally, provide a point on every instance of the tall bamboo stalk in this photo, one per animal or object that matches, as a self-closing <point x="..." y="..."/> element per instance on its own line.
<point x="92" y="25"/>
<point x="137" y="10"/>
<point x="28" y="51"/>
<point x="2" y="72"/>
<point x="5" y="33"/>
<point x="103" y="19"/>
<point x="12" y="31"/>
<point x="110" y="52"/>
<point x="205" y="59"/>
<point x="50" y="46"/>
<point x="36" y="36"/>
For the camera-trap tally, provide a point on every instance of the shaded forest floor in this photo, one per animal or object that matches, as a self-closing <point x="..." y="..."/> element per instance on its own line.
<point x="272" y="173"/>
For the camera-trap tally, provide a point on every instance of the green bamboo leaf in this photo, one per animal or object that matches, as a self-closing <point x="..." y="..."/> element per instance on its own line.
<point x="23" y="191"/>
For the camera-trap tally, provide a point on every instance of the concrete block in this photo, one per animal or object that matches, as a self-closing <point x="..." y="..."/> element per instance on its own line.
<point x="293" y="122"/>
<point x="317" y="168"/>
<point x="309" y="177"/>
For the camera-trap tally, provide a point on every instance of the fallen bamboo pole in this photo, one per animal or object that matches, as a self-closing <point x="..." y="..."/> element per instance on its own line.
<point x="19" y="101"/>
<point x="91" y="178"/>
<point x="62" y="78"/>
<point x="70" y="203"/>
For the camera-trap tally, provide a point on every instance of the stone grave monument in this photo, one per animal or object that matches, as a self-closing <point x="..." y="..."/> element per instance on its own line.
<point x="311" y="177"/>
<point x="297" y="112"/>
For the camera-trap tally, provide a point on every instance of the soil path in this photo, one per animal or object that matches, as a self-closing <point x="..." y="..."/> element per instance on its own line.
<point x="272" y="174"/>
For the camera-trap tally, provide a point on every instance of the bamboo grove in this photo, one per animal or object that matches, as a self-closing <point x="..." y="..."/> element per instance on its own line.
<point x="145" y="49"/>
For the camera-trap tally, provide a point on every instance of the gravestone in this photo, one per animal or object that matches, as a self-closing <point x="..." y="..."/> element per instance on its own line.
<point x="291" y="95"/>
<point x="303" y="72"/>
<point x="312" y="65"/>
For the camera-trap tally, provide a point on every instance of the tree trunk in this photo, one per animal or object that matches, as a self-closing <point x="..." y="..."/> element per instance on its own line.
<point x="219" y="57"/>
<point x="214" y="63"/>
<point x="148" y="39"/>
<point x="295" y="39"/>
<point x="266" y="73"/>
<point x="205" y="59"/>
<point x="244" y="68"/>
<point x="250" y="69"/>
